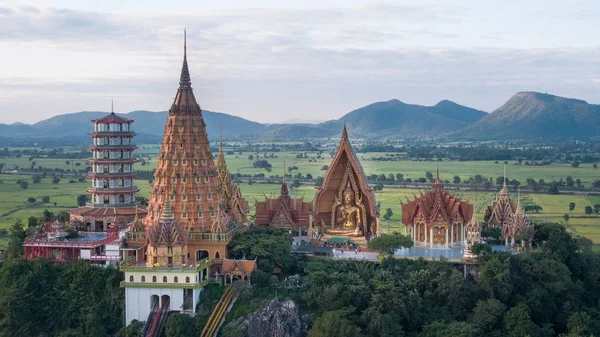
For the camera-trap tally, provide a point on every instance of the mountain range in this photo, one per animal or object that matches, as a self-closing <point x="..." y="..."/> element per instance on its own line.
<point x="525" y="116"/>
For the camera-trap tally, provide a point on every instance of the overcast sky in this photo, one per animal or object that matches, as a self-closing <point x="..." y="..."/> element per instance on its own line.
<point x="275" y="61"/>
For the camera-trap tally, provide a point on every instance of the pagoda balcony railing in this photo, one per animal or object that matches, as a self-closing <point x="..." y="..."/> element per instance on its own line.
<point x="113" y="160"/>
<point x="107" y="133"/>
<point x="113" y="189"/>
<point x="135" y="236"/>
<point x="125" y="284"/>
<point x="121" y="146"/>
<point x="121" y="204"/>
<point x="93" y="174"/>
<point x="130" y="264"/>
<point x="213" y="237"/>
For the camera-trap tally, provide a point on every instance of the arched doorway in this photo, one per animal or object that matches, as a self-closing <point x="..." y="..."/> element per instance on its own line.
<point x="201" y="254"/>
<point x="153" y="301"/>
<point x="165" y="302"/>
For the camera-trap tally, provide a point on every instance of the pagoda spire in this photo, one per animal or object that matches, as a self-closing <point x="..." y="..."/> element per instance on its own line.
<point x="185" y="80"/>
<point x="284" y="188"/>
<point x="112" y="106"/>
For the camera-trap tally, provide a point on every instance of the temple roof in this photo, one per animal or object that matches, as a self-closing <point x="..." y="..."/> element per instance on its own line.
<point x="244" y="266"/>
<point x="112" y="118"/>
<point x="167" y="231"/>
<point x="345" y="150"/>
<point x="437" y="203"/>
<point x="92" y="211"/>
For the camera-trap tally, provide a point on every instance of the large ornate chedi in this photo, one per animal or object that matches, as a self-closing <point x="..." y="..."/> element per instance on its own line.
<point x="437" y="218"/>
<point x="344" y="204"/>
<point x="186" y="174"/>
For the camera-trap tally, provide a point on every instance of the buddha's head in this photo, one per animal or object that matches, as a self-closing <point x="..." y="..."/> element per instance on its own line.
<point x="348" y="196"/>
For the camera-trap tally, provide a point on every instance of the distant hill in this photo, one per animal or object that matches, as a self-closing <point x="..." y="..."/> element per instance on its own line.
<point x="533" y="115"/>
<point x="149" y="125"/>
<point x="401" y="120"/>
<point x="525" y="116"/>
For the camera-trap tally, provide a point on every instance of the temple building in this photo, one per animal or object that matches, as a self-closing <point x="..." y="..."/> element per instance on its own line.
<point x="112" y="193"/>
<point x="202" y="194"/>
<point x="437" y="219"/>
<point x="235" y="203"/>
<point x="507" y="215"/>
<point x="285" y="212"/>
<point x="344" y="205"/>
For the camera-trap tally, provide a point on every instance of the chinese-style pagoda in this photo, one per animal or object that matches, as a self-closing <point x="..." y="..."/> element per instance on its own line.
<point x="437" y="218"/>
<point x="112" y="194"/>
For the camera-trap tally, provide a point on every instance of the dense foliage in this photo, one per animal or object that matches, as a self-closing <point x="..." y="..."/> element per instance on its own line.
<point x="39" y="298"/>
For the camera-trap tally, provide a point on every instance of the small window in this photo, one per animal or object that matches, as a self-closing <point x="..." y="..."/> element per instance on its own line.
<point x="172" y="196"/>
<point x="164" y="279"/>
<point x="203" y="161"/>
<point x="175" y="162"/>
<point x="206" y="179"/>
<point x="197" y="179"/>
<point x="185" y="215"/>
<point x="217" y="255"/>
<point x="184" y="179"/>
<point x="198" y="197"/>
<point x="209" y="196"/>
<point x="143" y="278"/>
<point x="175" y="279"/>
<point x="212" y="211"/>
<point x="154" y="279"/>
<point x="174" y="180"/>
<point x="184" y="197"/>
<point x="199" y="212"/>
<point x="131" y="278"/>
<point x="195" y="162"/>
<point x="181" y="145"/>
<point x="184" y="162"/>
<point x="187" y="279"/>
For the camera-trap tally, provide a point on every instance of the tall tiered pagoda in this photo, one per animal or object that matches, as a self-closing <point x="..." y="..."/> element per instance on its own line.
<point x="285" y="212"/>
<point x="112" y="194"/>
<point x="344" y="205"/>
<point x="437" y="219"/>
<point x="186" y="176"/>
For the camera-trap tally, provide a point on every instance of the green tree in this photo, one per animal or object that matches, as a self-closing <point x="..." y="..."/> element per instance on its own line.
<point x="141" y="200"/>
<point x="31" y="200"/>
<point x="23" y="184"/>
<point x="495" y="276"/>
<point x="566" y="217"/>
<point x="388" y="214"/>
<point x="518" y="321"/>
<point x="45" y="199"/>
<point x="597" y="208"/>
<point x="456" y="329"/>
<point x="17" y="235"/>
<point x="181" y="325"/>
<point x="488" y="315"/>
<point x="37" y="179"/>
<point x="63" y="216"/>
<point x="456" y="180"/>
<point x="589" y="210"/>
<point x="334" y="324"/>
<point x="571" y="206"/>
<point x="389" y="243"/>
<point x="579" y="324"/>
<point x="55" y="180"/>
<point x="429" y="176"/>
<point x="32" y="222"/>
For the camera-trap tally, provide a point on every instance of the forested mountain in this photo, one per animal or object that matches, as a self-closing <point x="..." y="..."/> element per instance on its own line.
<point x="533" y="115"/>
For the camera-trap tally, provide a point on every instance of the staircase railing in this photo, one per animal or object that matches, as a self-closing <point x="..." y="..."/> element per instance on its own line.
<point x="216" y="318"/>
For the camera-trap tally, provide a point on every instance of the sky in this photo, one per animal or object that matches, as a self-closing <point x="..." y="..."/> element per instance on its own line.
<point x="274" y="61"/>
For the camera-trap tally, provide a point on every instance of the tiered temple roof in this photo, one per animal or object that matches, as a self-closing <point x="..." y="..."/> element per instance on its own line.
<point x="186" y="174"/>
<point x="502" y="209"/>
<point x="283" y="212"/>
<point x="437" y="204"/>
<point x="345" y="170"/>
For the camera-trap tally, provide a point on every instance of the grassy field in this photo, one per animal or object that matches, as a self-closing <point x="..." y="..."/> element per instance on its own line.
<point x="14" y="205"/>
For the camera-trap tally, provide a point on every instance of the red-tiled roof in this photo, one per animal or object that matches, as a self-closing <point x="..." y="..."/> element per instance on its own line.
<point x="112" y="118"/>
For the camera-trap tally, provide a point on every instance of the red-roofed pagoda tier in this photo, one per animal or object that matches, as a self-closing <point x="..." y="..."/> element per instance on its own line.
<point x="437" y="218"/>
<point x="284" y="212"/>
<point x="344" y="204"/>
<point x="94" y="218"/>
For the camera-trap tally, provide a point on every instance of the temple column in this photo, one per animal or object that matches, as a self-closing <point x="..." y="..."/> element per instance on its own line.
<point x="452" y="236"/>
<point x="378" y="229"/>
<point x="310" y="227"/>
<point x="404" y="230"/>
<point x="462" y="233"/>
<point x="418" y="232"/>
<point x="446" y="237"/>
<point x="425" y="237"/>
<point x="431" y="237"/>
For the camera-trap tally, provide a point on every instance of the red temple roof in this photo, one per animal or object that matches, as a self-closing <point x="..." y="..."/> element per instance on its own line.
<point x="112" y="118"/>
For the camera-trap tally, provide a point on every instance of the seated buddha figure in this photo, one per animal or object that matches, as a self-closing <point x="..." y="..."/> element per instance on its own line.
<point x="348" y="215"/>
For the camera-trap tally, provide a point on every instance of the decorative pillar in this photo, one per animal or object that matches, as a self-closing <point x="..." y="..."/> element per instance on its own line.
<point x="452" y="236"/>
<point x="425" y="237"/>
<point x="446" y="237"/>
<point x="310" y="227"/>
<point x="404" y="230"/>
<point x="462" y="233"/>
<point x="431" y="237"/>
<point x="378" y="229"/>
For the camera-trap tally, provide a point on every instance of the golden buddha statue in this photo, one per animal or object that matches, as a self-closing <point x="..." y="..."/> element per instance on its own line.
<point x="348" y="215"/>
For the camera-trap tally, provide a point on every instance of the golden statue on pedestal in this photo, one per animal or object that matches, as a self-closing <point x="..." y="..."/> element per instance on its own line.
<point x="348" y="215"/>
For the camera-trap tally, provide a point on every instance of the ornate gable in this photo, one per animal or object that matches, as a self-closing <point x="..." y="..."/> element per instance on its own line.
<point x="282" y="217"/>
